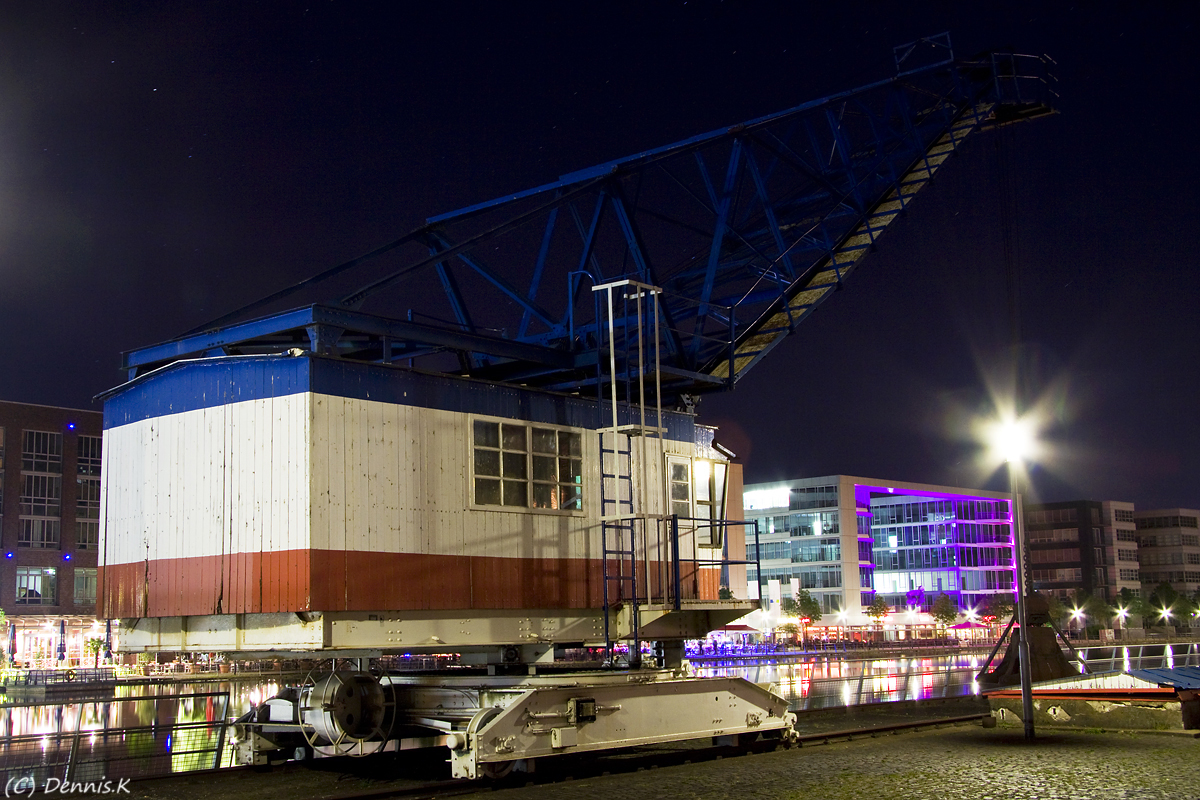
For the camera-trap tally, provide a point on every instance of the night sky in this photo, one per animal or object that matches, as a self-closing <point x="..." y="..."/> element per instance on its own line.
<point x="162" y="163"/>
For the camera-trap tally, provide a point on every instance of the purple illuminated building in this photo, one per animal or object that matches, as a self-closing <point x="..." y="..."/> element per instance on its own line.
<point x="907" y="542"/>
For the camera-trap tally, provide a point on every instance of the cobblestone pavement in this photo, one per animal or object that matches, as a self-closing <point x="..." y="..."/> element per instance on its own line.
<point x="964" y="762"/>
<point x="967" y="762"/>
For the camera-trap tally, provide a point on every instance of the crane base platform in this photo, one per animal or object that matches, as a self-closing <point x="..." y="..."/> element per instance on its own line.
<point x="493" y="724"/>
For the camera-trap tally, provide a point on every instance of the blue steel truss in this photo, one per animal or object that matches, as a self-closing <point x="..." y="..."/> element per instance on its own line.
<point x="746" y="230"/>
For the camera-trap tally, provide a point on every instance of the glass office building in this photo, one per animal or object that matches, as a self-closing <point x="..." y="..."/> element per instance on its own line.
<point x="845" y="539"/>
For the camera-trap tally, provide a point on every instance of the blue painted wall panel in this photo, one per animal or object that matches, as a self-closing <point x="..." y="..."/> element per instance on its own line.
<point x="204" y="383"/>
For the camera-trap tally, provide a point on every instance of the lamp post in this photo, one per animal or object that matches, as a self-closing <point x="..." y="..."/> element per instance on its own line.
<point x="1014" y="439"/>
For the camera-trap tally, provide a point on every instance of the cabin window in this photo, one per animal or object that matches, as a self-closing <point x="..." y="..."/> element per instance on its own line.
<point x="523" y="466"/>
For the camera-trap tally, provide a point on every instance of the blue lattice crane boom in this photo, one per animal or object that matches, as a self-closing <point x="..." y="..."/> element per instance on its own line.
<point x="746" y="230"/>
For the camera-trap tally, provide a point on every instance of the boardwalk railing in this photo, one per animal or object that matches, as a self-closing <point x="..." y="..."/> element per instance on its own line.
<point x="125" y="738"/>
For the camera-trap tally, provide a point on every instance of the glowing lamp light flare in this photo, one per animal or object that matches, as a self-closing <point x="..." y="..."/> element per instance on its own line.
<point x="1013" y="440"/>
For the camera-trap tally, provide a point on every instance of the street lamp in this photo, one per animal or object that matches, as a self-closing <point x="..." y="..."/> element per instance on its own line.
<point x="1013" y="439"/>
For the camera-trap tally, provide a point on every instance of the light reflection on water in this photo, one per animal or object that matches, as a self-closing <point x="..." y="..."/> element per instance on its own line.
<point x="822" y="682"/>
<point x="134" y="706"/>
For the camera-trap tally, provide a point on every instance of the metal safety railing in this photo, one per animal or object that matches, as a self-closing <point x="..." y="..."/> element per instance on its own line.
<point x="58" y="744"/>
<point x="52" y="677"/>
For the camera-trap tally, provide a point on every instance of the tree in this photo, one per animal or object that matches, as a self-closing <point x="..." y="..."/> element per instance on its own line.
<point x="1135" y="606"/>
<point x="789" y="607"/>
<point x="1099" y="611"/>
<point x="808" y="607"/>
<point x="1165" y="602"/>
<point x="878" y="609"/>
<point x="1058" y="611"/>
<point x="999" y="607"/>
<point x="944" y="611"/>
<point x="790" y="628"/>
<point x="94" y="646"/>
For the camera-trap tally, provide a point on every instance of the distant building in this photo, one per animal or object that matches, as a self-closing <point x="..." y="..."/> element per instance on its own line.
<point x="49" y="528"/>
<point x="1121" y="543"/>
<point x="844" y="539"/>
<point x="1169" y="549"/>
<point x="1082" y="545"/>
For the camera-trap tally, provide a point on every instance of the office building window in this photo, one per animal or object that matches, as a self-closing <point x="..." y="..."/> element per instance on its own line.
<point x="1167" y="522"/>
<point x="88" y="462"/>
<point x="1054" y="556"/>
<point x="39" y="533"/>
<point x="41" y="495"/>
<point x="37" y="586"/>
<point x="87" y="513"/>
<point x="87" y="534"/>
<point x="87" y="498"/>
<point x="1054" y="535"/>
<point x="522" y="466"/>
<point x="40" y="506"/>
<point x="85" y="586"/>
<point x="1058" y="575"/>
<point x="42" y="452"/>
<point x="1128" y="574"/>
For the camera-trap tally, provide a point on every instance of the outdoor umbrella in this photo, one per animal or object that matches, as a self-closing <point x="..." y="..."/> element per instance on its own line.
<point x="62" y="640"/>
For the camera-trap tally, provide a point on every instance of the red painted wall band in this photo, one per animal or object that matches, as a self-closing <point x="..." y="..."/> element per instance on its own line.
<point x="336" y="580"/>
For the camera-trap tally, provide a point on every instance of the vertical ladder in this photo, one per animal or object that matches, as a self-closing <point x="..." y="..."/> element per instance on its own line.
<point x="623" y="495"/>
<point x="618" y="536"/>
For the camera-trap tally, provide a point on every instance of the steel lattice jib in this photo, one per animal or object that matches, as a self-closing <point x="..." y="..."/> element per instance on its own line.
<point x="745" y="229"/>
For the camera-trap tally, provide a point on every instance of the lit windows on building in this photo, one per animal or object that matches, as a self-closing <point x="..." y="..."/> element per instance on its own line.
<point x="522" y="466"/>
<point x="927" y="546"/>
<point x="85" y="586"/>
<point x="37" y="586"/>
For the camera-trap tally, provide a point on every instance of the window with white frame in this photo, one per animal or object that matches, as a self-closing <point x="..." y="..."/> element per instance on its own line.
<point x="710" y="501"/>
<point x="37" y="586"/>
<point x="42" y="534"/>
<point x="87" y="534"/>
<point x="85" y="586"/>
<point x="527" y="466"/>
<point x="88" y="460"/>
<point x="41" y="504"/>
<point x="42" y="452"/>
<point x="87" y="513"/>
<point x="41" y="490"/>
<point x="41" y="495"/>
<point x="679" y="486"/>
